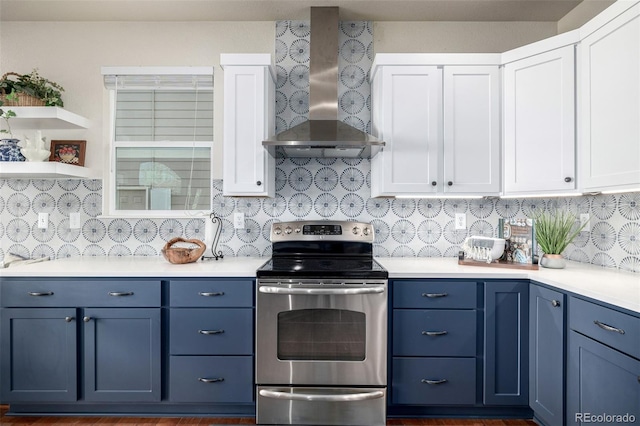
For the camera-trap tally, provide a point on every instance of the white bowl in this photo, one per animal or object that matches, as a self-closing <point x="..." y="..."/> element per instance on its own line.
<point x="496" y="245"/>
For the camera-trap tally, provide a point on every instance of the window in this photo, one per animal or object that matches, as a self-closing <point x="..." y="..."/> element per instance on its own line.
<point x="161" y="141"/>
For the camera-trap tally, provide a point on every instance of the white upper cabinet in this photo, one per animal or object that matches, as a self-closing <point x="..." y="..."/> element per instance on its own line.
<point x="471" y="130"/>
<point x="249" y="118"/>
<point x="609" y="71"/>
<point x="539" y="123"/>
<point x="407" y="111"/>
<point x="440" y="124"/>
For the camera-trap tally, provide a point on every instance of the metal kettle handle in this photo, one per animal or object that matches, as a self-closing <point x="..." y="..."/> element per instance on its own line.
<point x="321" y="291"/>
<point x="323" y="398"/>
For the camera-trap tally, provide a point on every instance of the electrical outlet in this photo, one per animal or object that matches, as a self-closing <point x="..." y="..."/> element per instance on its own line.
<point x="584" y="219"/>
<point x="461" y="220"/>
<point x="238" y="220"/>
<point x="43" y="220"/>
<point x="74" y="220"/>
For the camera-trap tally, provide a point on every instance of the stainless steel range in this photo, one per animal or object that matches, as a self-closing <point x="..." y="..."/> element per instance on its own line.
<point x="321" y="327"/>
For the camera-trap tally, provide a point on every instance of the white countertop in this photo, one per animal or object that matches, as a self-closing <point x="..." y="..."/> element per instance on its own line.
<point x="617" y="288"/>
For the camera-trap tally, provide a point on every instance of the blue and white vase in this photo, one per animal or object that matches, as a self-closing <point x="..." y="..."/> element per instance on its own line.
<point x="10" y="151"/>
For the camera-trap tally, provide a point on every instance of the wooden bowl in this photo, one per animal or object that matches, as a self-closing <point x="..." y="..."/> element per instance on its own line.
<point x="181" y="255"/>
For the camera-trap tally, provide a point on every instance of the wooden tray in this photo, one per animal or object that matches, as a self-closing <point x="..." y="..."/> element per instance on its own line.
<point x="499" y="264"/>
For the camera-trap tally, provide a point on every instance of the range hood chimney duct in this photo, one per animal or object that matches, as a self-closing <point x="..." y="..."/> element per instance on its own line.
<point x="324" y="135"/>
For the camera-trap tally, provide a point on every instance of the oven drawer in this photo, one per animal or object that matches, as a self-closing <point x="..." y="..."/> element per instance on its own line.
<point x="220" y="379"/>
<point x="613" y="328"/>
<point x="202" y="331"/>
<point x="437" y="294"/>
<point x="433" y="332"/>
<point x="320" y="406"/>
<point x="211" y="293"/>
<point x="434" y="381"/>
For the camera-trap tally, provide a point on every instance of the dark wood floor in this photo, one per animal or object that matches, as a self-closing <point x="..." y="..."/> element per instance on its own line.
<point x="171" y="421"/>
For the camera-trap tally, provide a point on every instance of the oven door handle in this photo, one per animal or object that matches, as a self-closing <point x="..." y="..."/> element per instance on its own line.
<point x="321" y="291"/>
<point x="363" y="396"/>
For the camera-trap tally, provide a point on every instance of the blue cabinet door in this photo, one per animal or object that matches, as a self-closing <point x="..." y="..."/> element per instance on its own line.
<point x="38" y="355"/>
<point x="122" y="354"/>
<point x="506" y="339"/>
<point x="546" y="354"/>
<point x="600" y="382"/>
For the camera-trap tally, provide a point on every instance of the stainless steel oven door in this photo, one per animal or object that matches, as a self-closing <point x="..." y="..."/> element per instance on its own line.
<point x="334" y="333"/>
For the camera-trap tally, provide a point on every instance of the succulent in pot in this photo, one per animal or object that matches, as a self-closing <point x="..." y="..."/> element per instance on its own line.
<point x="555" y="230"/>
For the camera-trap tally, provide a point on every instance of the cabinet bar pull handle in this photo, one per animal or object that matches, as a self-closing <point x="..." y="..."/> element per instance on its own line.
<point x="555" y="303"/>
<point x="208" y="294"/>
<point x="608" y="327"/>
<point x="86" y="319"/>
<point x="40" y="293"/>
<point x="120" y="293"/>
<point x="208" y="332"/>
<point x="434" y="333"/>
<point x="434" y="382"/>
<point x="432" y="295"/>
<point x="203" y="380"/>
<point x="68" y="319"/>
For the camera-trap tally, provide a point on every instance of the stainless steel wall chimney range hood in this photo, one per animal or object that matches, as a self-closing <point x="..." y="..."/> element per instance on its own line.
<point x="323" y="135"/>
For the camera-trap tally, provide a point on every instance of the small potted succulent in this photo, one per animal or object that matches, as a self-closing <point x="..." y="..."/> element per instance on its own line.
<point x="554" y="231"/>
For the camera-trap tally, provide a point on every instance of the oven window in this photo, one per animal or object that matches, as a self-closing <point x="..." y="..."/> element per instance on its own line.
<point x="321" y="334"/>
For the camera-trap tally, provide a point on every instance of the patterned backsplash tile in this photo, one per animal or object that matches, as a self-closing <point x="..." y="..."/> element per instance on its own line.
<point x="336" y="189"/>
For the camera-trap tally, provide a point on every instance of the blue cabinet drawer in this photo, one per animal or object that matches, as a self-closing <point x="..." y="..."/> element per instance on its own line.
<point x="203" y="331"/>
<point x="434" y="294"/>
<point x="69" y="292"/>
<point x="211" y="379"/>
<point x="613" y="328"/>
<point x="434" y="381"/>
<point x="433" y="332"/>
<point x="211" y="293"/>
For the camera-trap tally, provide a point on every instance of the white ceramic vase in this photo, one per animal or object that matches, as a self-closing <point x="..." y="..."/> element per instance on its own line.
<point x="552" y="261"/>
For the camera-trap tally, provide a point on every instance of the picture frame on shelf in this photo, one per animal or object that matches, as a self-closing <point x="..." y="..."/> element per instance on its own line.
<point x="68" y="151"/>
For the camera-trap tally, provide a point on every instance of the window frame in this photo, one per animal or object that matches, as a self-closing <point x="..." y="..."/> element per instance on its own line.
<point x="109" y="182"/>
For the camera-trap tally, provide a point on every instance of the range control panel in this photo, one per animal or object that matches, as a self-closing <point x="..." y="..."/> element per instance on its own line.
<point x="322" y="230"/>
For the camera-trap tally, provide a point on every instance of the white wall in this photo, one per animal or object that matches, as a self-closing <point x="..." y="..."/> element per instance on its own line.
<point x="457" y="37"/>
<point x="72" y="53"/>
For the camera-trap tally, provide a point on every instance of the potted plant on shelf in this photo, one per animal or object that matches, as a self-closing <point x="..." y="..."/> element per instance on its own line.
<point x="9" y="149"/>
<point x="31" y="90"/>
<point x="554" y="231"/>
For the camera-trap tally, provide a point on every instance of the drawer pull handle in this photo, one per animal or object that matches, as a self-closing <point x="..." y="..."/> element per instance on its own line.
<point x="68" y="319"/>
<point x="203" y="380"/>
<point x="209" y="332"/>
<point x="203" y="293"/>
<point x="86" y="319"/>
<point x="608" y="327"/>
<point x="433" y="295"/>
<point x="434" y="333"/>
<point x="434" y="382"/>
<point x="40" y="293"/>
<point x="120" y="293"/>
<point x="555" y="303"/>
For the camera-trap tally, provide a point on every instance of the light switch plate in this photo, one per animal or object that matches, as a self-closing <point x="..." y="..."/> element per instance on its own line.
<point x="584" y="218"/>
<point x="238" y="220"/>
<point x="74" y="220"/>
<point x="461" y="220"/>
<point x="43" y="220"/>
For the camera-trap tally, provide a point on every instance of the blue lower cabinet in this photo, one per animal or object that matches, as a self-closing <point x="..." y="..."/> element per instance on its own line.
<point x="546" y="354"/>
<point x="38" y="358"/>
<point x="122" y="354"/>
<point x="211" y="379"/>
<point x="603" y="385"/>
<point x="506" y="342"/>
<point x="434" y="381"/>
